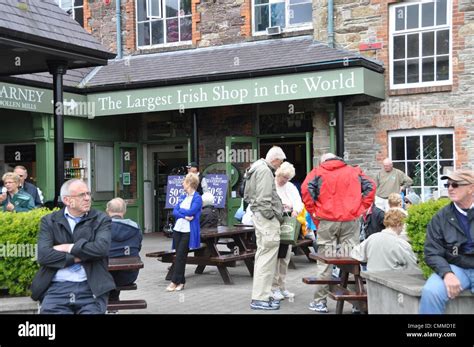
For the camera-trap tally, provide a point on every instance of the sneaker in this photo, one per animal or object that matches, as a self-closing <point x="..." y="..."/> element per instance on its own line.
<point x="288" y="294"/>
<point x="318" y="307"/>
<point x="274" y="302"/>
<point x="277" y="295"/>
<point x="263" y="305"/>
<point x="355" y="310"/>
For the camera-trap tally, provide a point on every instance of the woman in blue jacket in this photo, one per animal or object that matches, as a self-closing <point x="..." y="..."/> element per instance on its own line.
<point x="186" y="231"/>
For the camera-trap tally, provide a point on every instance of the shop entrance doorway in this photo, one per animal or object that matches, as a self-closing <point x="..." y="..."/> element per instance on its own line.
<point x="298" y="152"/>
<point x="164" y="160"/>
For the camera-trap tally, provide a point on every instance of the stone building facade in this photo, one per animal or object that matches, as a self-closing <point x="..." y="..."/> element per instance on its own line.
<point x="440" y="114"/>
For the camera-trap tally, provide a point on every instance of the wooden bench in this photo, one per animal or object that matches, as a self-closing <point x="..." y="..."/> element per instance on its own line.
<point x="126" y="305"/>
<point x="169" y="256"/>
<point x="125" y="264"/>
<point x="357" y="299"/>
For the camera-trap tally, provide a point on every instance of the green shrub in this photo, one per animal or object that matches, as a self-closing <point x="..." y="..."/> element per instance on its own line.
<point x="418" y="218"/>
<point x="18" y="251"/>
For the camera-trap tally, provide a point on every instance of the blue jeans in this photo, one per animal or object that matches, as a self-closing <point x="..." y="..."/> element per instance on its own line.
<point x="434" y="295"/>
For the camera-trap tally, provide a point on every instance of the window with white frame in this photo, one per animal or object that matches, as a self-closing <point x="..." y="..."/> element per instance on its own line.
<point x="161" y="22"/>
<point x="420" y="44"/>
<point x="75" y="8"/>
<point x="283" y="13"/>
<point x="424" y="155"/>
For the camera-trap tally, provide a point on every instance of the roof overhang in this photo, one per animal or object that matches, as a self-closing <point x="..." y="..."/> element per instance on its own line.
<point x="22" y="57"/>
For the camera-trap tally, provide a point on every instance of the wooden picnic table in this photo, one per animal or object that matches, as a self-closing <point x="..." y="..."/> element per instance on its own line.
<point x="125" y="264"/>
<point x="209" y="254"/>
<point x="339" y="291"/>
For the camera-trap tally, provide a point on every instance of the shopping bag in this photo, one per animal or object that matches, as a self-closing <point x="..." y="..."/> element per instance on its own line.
<point x="289" y="231"/>
<point x="240" y="212"/>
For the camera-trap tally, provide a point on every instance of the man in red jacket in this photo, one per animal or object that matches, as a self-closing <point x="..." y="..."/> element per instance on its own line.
<point x="336" y="195"/>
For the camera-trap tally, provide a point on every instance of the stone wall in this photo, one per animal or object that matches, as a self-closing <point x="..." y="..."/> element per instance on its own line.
<point x="221" y="22"/>
<point x="398" y="292"/>
<point x="368" y="122"/>
<point x="100" y="21"/>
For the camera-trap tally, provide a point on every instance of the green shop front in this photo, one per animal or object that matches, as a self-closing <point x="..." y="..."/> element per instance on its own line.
<point x="126" y="141"/>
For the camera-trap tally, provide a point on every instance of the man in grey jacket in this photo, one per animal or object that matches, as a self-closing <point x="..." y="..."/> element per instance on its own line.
<point x="73" y="248"/>
<point x="449" y="245"/>
<point x="260" y="193"/>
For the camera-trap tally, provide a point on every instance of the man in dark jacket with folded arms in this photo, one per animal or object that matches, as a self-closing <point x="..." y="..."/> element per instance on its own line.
<point x="73" y="248"/>
<point x="449" y="245"/>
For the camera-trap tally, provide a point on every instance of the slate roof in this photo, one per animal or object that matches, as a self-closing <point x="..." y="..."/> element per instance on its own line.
<point x="71" y="80"/>
<point x="249" y="59"/>
<point x="44" y="22"/>
<point x="258" y="58"/>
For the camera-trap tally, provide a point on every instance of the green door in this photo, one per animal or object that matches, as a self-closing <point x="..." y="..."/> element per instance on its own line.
<point x="129" y="178"/>
<point x="241" y="152"/>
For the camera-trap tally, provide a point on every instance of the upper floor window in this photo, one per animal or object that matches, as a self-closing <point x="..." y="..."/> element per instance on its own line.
<point x="420" y="44"/>
<point x="75" y="8"/>
<point x="424" y="155"/>
<point x="161" y="22"/>
<point x="286" y="14"/>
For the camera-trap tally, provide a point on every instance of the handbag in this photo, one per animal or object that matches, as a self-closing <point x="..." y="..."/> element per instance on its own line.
<point x="240" y="212"/>
<point x="289" y="230"/>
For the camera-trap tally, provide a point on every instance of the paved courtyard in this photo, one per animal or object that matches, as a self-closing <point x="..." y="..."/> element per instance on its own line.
<point x="207" y="293"/>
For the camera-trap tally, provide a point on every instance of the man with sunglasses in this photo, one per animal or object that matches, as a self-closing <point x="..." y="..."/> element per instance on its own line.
<point x="73" y="248"/>
<point x="449" y="245"/>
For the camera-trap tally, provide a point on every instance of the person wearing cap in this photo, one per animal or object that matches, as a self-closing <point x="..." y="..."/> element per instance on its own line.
<point x="267" y="208"/>
<point x="193" y="167"/>
<point x="449" y="245"/>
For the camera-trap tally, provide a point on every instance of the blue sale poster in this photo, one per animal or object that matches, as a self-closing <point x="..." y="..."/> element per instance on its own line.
<point x="217" y="185"/>
<point x="174" y="189"/>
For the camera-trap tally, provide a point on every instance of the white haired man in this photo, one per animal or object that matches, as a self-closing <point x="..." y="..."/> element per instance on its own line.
<point x="73" y="249"/>
<point x="389" y="180"/>
<point x="126" y="240"/>
<point x="260" y="193"/>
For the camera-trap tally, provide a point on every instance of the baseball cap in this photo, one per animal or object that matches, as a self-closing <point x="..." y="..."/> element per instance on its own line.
<point x="192" y="164"/>
<point x="463" y="176"/>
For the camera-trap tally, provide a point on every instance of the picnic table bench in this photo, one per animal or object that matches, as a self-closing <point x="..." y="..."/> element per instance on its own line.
<point x="124" y="264"/>
<point x="338" y="286"/>
<point x="210" y="255"/>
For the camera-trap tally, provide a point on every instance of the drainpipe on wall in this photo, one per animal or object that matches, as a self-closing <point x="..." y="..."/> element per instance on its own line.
<point x="119" y="28"/>
<point x="332" y="132"/>
<point x="331" y="23"/>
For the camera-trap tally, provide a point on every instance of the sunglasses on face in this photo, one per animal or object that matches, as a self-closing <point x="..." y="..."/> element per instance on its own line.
<point x="453" y="184"/>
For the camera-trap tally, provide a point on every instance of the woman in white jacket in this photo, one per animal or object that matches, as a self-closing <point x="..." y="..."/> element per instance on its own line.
<point x="292" y="206"/>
